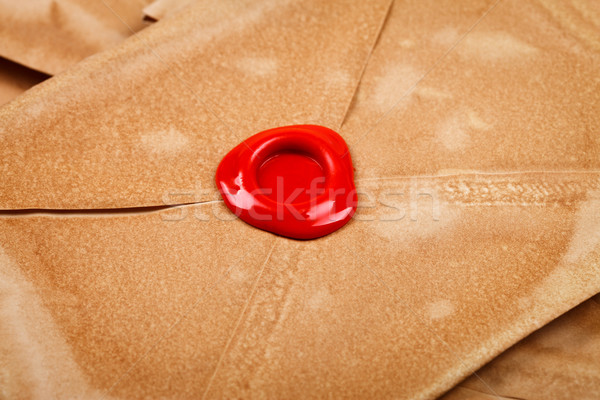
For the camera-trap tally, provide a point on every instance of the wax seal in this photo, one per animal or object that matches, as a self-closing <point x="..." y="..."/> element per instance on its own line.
<point x="295" y="181"/>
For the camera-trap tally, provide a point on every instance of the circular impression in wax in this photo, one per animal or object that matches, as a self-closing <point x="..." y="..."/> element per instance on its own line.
<point x="290" y="175"/>
<point x="295" y="181"/>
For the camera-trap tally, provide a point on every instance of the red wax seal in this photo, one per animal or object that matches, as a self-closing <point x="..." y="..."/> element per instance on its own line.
<point x="295" y="181"/>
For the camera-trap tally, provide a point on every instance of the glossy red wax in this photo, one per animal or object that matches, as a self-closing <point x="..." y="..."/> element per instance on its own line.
<point x="293" y="172"/>
<point x="295" y="181"/>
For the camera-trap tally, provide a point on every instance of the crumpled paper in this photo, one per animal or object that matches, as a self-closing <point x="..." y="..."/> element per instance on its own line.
<point x="477" y="240"/>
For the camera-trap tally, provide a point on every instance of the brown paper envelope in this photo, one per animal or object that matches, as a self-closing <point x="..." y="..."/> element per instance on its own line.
<point x="520" y="92"/>
<point x="153" y="117"/>
<point x="560" y="361"/>
<point x="51" y="35"/>
<point x="85" y="297"/>
<point x="405" y="301"/>
<point x="72" y="336"/>
<point x="16" y="79"/>
<point x="537" y="271"/>
<point x="528" y="362"/>
<point x="507" y="97"/>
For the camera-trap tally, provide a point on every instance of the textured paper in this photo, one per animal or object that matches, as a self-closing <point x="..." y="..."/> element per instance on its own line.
<point x="510" y="97"/>
<point x="527" y="170"/>
<point x="159" y="112"/>
<point x="512" y="102"/>
<point x="473" y="91"/>
<point x="87" y="298"/>
<point x="51" y="35"/>
<point x="560" y="361"/>
<point x="16" y="79"/>
<point x="407" y="313"/>
<point x="386" y="307"/>
<point x="420" y="303"/>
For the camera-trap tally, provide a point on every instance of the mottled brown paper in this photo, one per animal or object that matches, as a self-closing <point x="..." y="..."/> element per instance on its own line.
<point x="530" y="165"/>
<point x="484" y="100"/>
<point x="508" y="97"/>
<point x="159" y="112"/>
<point x="62" y="317"/>
<point x="52" y="35"/>
<point x="186" y="302"/>
<point x="560" y="361"/>
<point x="434" y="292"/>
<point x="85" y="297"/>
<point x="467" y="238"/>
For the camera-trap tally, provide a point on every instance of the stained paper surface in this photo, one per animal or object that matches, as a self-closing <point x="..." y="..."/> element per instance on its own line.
<point x="458" y="124"/>
<point x="507" y="109"/>
<point x="135" y="298"/>
<point x="436" y="291"/>
<point x="442" y="96"/>
<point x="176" y="97"/>
<point x="90" y="301"/>
<point x="477" y="167"/>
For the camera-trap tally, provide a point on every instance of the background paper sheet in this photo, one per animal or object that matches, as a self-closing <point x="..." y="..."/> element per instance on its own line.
<point x="51" y="35"/>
